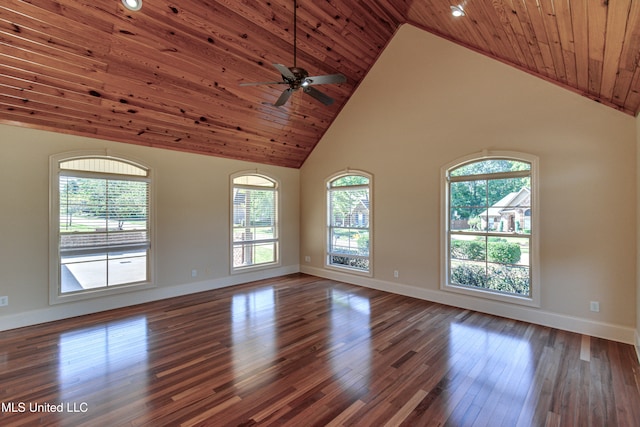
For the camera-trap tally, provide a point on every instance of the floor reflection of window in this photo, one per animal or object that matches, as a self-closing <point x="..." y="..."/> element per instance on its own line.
<point x="480" y="359"/>
<point x="350" y="338"/>
<point x="253" y="329"/>
<point x="98" y="353"/>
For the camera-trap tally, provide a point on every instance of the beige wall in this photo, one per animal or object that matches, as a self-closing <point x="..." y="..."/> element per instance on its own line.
<point x="638" y="242"/>
<point x="192" y="222"/>
<point x="427" y="102"/>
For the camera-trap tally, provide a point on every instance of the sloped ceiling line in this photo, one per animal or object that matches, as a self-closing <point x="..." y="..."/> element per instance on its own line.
<point x="169" y="75"/>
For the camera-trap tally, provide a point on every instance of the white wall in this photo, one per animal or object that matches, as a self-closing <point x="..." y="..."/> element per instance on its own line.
<point x="427" y="102"/>
<point x="192" y="223"/>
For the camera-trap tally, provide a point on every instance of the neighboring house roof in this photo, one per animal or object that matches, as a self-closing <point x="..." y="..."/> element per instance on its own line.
<point x="509" y="202"/>
<point x="363" y="204"/>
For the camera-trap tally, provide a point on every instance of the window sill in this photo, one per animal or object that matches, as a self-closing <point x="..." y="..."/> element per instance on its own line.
<point x="349" y="270"/>
<point x="256" y="267"/>
<point x="85" y="295"/>
<point x="492" y="295"/>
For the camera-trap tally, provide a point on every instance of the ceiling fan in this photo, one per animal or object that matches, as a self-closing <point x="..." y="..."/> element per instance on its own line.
<point x="298" y="78"/>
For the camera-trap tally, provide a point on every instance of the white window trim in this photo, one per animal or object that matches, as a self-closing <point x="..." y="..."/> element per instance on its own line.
<point x="534" y="258"/>
<point x="264" y="266"/>
<point x="346" y="269"/>
<point x="55" y="296"/>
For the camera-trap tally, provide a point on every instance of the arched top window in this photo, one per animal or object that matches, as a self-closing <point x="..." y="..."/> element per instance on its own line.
<point x="105" y="165"/>
<point x="100" y="226"/>
<point x="490" y="166"/>
<point x="490" y="226"/>
<point x="349" y="220"/>
<point x="254" y="180"/>
<point x="349" y="180"/>
<point x="254" y="221"/>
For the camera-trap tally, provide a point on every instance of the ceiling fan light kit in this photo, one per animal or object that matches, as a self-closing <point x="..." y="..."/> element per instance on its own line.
<point x="457" y="11"/>
<point x="296" y="77"/>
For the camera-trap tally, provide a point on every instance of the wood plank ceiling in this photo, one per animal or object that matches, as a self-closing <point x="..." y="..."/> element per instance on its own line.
<point x="169" y="75"/>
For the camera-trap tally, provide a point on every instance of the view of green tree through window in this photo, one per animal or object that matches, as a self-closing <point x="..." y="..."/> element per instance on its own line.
<point x="103" y="229"/>
<point x="490" y="225"/>
<point x="349" y="215"/>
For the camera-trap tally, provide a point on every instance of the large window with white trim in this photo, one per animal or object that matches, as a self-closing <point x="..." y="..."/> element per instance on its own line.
<point x="100" y="226"/>
<point x="490" y="243"/>
<point x="254" y="217"/>
<point x="349" y="214"/>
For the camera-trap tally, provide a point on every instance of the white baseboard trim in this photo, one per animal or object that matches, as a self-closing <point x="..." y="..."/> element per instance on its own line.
<point x="527" y="314"/>
<point x="638" y="344"/>
<point x="81" y="308"/>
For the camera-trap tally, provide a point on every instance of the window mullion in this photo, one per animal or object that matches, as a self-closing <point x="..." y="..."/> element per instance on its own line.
<point x="349" y="223"/>
<point x="491" y="237"/>
<point x="254" y="222"/>
<point x="91" y="193"/>
<point x="496" y="175"/>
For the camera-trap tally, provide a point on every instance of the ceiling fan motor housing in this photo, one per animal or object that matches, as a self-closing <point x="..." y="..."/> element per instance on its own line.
<point x="300" y="75"/>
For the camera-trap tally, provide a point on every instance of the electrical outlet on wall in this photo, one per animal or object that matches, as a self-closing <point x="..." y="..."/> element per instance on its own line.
<point x="4" y="301"/>
<point x="594" y="306"/>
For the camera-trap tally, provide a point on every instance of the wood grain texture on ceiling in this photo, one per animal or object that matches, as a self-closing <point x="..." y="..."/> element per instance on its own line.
<point x="169" y="75"/>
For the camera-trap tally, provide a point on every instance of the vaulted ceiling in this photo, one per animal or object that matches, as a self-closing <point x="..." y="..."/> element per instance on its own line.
<point x="170" y="74"/>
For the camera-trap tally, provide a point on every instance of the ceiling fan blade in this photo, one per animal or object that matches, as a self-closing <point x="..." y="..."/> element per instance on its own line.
<point x="262" y="83"/>
<point x="286" y="73"/>
<point x="325" y="99"/>
<point x="284" y="97"/>
<point x="326" y="79"/>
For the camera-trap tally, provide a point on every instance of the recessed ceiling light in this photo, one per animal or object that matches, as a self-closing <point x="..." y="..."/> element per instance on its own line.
<point x="455" y="11"/>
<point x="132" y="4"/>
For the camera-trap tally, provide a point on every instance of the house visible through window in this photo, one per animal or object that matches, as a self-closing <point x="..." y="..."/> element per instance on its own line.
<point x="254" y="221"/>
<point x="349" y="222"/>
<point x="101" y="228"/>
<point x="490" y="230"/>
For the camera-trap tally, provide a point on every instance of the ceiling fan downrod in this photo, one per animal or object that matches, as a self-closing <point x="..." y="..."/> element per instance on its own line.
<point x="298" y="78"/>
<point x="295" y="31"/>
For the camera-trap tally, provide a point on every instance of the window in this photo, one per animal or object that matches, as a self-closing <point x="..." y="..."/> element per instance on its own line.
<point x="349" y="222"/>
<point x="254" y="238"/>
<point x="100" y="226"/>
<point x="490" y="243"/>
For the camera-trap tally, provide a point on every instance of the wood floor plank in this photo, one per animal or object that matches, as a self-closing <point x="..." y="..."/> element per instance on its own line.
<point x="301" y="350"/>
<point x="585" y="348"/>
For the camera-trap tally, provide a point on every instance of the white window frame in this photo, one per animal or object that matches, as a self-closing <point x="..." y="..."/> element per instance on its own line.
<point x="328" y="231"/>
<point x="534" y="259"/>
<point x="275" y="239"/>
<point x="55" y="294"/>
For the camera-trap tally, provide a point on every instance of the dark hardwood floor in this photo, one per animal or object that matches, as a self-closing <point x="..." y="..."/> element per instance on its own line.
<point x="304" y="351"/>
